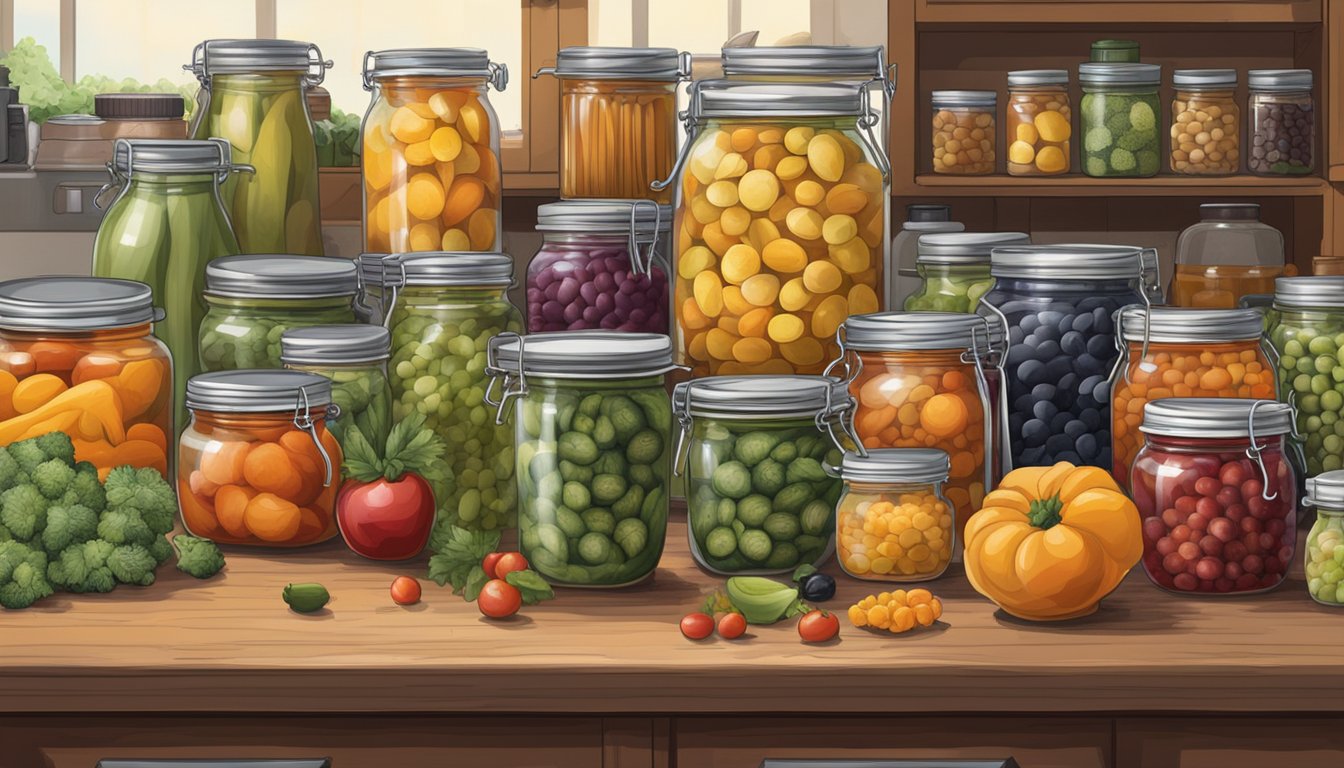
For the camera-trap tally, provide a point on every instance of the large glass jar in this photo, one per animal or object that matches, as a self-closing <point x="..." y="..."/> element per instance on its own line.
<point x="602" y="264"/>
<point x="1307" y="330"/>
<point x="1120" y="112"/>
<point x="443" y="309"/>
<point x="354" y="357"/>
<point x="256" y="465"/>
<point x="430" y="139"/>
<point x="1205" y="123"/>
<point x="1283" y="122"/>
<point x="902" y="271"/>
<point x="593" y="427"/>
<point x="1039" y="122"/>
<point x="954" y="269"/>
<point x="964" y="133"/>
<point x="1217" y="494"/>
<point x="252" y="300"/>
<point x="763" y="277"/>
<point x="254" y="95"/>
<point x="618" y="120"/>
<point x="759" y="499"/>
<point x="1325" y="542"/>
<point x="77" y="355"/>
<point x="1229" y="254"/>
<point x="1167" y="352"/>
<point x="1056" y="303"/>
<point x="893" y="522"/>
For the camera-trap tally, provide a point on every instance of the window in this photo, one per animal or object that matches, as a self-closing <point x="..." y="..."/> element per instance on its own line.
<point x="702" y="26"/>
<point x="150" y="40"/>
<point x="40" y="20"/>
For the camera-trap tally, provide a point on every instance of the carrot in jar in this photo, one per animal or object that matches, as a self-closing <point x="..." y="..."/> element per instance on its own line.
<point x="95" y="397"/>
<point x="268" y="469"/>
<point x="54" y="355"/>
<point x="231" y="509"/>
<point x="141" y="454"/>
<point x="271" y="518"/>
<point x="200" y="486"/>
<point x="139" y="385"/>
<point x="37" y="390"/>
<point x="62" y="422"/>
<point x="197" y="513"/>
<point x="222" y="463"/>
<point x="95" y="366"/>
<point x="149" y="433"/>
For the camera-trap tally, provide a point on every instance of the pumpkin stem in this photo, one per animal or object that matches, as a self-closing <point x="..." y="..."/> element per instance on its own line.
<point x="1044" y="513"/>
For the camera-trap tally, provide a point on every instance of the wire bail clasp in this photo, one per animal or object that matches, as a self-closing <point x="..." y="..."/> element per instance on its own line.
<point x="641" y="262"/>
<point x="303" y="419"/>
<point x="1253" y="451"/>
<point x="513" y="384"/>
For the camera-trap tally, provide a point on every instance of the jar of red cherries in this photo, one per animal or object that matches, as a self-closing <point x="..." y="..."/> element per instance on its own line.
<point x="1217" y="494"/>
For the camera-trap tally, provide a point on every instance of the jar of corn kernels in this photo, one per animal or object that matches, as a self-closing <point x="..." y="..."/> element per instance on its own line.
<point x="963" y="132"/>
<point x="892" y="521"/>
<point x="1039" y="122"/>
<point x="1205" y="123"/>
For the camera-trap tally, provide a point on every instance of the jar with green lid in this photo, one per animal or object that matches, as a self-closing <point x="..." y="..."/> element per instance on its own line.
<point x="893" y="522"/>
<point x="442" y="310"/>
<point x="954" y="269"/>
<point x="754" y="451"/>
<point x="1306" y="328"/>
<point x="1120" y="112"/>
<point x="1325" y="542"/>
<point x="354" y="357"/>
<point x="593" y="426"/>
<point x="1117" y="51"/>
<point x="252" y="300"/>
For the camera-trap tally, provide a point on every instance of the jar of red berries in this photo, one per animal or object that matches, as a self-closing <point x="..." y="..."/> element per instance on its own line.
<point x="1217" y="494"/>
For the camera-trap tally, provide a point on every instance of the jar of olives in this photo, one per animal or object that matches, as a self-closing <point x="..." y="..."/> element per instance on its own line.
<point x="893" y="522"/>
<point x="354" y="357"/>
<point x="954" y="269"/>
<point x="1307" y="330"/>
<point x="1325" y="542"/>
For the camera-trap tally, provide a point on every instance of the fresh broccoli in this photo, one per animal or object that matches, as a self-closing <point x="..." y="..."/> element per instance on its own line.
<point x="68" y="525"/>
<point x="10" y="474"/>
<point x="197" y="557"/>
<point x="124" y="527"/>
<point x="28" y="454"/>
<point x="83" y="568"/>
<point x="53" y="477"/>
<point x="23" y="575"/>
<point x="160" y="549"/>
<point x="23" y="510"/>
<point x="132" y="564"/>
<point x="144" y="491"/>
<point x="57" y="445"/>
<point x="86" y="489"/>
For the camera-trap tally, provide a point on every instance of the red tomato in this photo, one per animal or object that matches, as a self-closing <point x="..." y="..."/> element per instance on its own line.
<point x="386" y="520"/>
<point x="818" y="626"/>
<point x="405" y="591"/>
<point x="499" y="599"/>
<point x="697" y="626"/>
<point x="510" y="562"/>
<point x="732" y="626"/>
<point x="490" y="562"/>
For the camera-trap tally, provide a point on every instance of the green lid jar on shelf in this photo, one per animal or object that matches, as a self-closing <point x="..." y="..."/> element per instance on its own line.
<point x="1120" y="113"/>
<point x="1116" y="51"/>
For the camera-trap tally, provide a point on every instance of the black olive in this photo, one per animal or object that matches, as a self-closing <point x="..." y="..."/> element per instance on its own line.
<point x="818" y="588"/>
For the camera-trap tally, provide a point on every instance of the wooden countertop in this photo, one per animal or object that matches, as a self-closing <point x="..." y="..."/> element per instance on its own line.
<point x="230" y="644"/>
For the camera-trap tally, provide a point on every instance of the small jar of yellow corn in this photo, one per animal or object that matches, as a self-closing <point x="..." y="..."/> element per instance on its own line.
<point x="892" y="521"/>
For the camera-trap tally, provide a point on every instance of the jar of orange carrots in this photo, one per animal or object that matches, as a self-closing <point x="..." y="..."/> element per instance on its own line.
<point x="1171" y="352"/>
<point x="77" y="355"/>
<point x="256" y="465"/>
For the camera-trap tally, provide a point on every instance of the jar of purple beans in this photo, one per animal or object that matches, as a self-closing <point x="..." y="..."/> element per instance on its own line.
<point x="1283" y="122"/>
<point x="602" y="265"/>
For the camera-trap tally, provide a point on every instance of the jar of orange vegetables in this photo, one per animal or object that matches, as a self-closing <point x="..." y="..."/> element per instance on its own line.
<point x="77" y="355"/>
<point x="893" y="521"/>
<point x="256" y="465"/>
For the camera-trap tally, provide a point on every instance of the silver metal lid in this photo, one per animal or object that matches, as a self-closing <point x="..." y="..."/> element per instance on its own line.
<point x="896" y="465"/>
<point x="734" y="98"/>
<point x="257" y="391"/>
<point x="171" y="156"/>
<point x="834" y="61"/>
<point x="582" y="354"/>
<point x="1279" y="79"/>
<point x="983" y="99"/>
<point x="74" y="304"/>
<point x="765" y="396"/>
<point x="592" y="62"/>
<point x="614" y="216"/>
<point x="1326" y="490"/>
<point x="442" y="62"/>
<point x="1073" y="261"/>
<point x="1309" y="291"/>
<point x="902" y="331"/>
<point x="1023" y="78"/>
<point x="964" y="248"/>
<point x="1204" y="78"/>
<point x="444" y="268"/>
<point x="281" y="276"/>
<point x="1176" y="325"/>
<point x="345" y="344"/>
<point x="241" y="56"/>
<point x="1118" y="73"/>
<point x="1216" y="418"/>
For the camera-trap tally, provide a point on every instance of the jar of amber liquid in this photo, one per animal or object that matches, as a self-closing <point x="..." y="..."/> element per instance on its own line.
<point x="1039" y="122"/>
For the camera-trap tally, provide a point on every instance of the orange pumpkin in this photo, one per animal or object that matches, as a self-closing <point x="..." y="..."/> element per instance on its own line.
<point x="1051" y="542"/>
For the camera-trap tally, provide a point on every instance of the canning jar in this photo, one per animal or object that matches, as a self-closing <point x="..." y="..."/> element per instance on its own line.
<point x="593" y="427"/>
<point x="902" y="271"/>
<point x="618" y="120"/>
<point x="1325" y="542"/>
<point x="1283" y="122"/>
<point x="954" y="269"/>
<point x="256" y="464"/>
<point x="430" y="142"/>
<point x="254" y="95"/>
<point x="602" y="264"/>
<point x="1217" y="495"/>
<point x="1228" y="255"/>
<point x="1205" y="123"/>
<point x="754" y="452"/>
<point x="763" y="277"/>
<point x="354" y="357"/>
<point x="78" y="355"/>
<point x="251" y="300"/>
<point x="964" y="132"/>
<point x="1120" y="110"/>
<point x="1039" y="121"/>
<point x="1167" y="352"/>
<point x="1307" y="330"/>
<point x="1123" y="51"/>
<point x="1056" y="303"/>
<point x="893" y="522"/>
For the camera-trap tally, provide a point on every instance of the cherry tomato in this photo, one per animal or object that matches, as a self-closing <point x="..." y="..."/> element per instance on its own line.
<point x="405" y="591"/>
<point x="697" y="626"/>
<point x="818" y="627"/>
<point x="510" y="562"/>
<point x="499" y="599"/>
<point x="491" y="562"/>
<point x="732" y="626"/>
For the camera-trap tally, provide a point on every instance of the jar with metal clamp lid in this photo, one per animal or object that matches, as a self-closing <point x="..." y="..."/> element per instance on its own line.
<point x="1325" y="542"/>
<point x="893" y="522"/>
<point x="354" y="357"/>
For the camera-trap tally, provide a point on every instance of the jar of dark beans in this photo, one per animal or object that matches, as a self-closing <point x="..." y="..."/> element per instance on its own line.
<point x="1283" y="122"/>
<point x="1056" y="303"/>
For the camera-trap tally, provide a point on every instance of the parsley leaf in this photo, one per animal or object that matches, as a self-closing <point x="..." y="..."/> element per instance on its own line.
<point x="461" y="551"/>
<point x="531" y="585"/>
<point x="476" y="580"/>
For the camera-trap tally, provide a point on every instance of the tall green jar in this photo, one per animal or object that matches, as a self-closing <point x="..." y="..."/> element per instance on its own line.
<point x="1307" y="331"/>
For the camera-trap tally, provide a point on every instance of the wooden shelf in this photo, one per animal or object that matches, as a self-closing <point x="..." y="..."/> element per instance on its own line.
<point x="1116" y="12"/>
<point x="1158" y="186"/>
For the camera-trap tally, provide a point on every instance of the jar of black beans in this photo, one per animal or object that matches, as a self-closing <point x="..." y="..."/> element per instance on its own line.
<point x="1283" y="122"/>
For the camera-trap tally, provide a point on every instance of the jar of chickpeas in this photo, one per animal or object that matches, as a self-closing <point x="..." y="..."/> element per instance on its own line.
<point x="1039" y="122"/>
<point x="1205" y="123"/>
<point x="892" y="521"/>
<point x="963" y="132"/>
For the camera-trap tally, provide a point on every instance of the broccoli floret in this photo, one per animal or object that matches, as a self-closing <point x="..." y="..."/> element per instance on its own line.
<point x="68" y="525"/>
<point x="124" y="527"/>
<point x="1095" y="166"/>
<point x="144" y="491"/>
<point x="1097" y="139"/>
<point x="132" y="564"/>
<point x="86" y="489"/>
<point x="23" y="575"/>
<point x="10" y="473"/>
<point x="1148" y="162"/>
<point x="57" y="445"/>
<point x="5" y="535"/>
<point x="1118" y="122"/>
<point x="1141" y="116"/>
<point x="1134" y="140"/>
<point x="53" y="477"/>
<point x="197" y="557"/>
<point x="160" y="549"/>
<point x="83" y="568"/>
<point x="28" y="454"/>
<point x="23" y="510"/>
<point x="1122" y="159"/>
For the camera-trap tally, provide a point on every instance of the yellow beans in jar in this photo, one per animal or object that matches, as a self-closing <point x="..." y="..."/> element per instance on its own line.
<point x="963" y="132"/>
<point x="1205" y="123"/>
<point x="904" y="536"/>
<point x="1039" y="122"/>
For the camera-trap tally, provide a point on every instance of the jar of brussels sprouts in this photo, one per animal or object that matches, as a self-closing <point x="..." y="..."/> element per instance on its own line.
<point x="354" y="357"/>
<point x="954" y="269"/>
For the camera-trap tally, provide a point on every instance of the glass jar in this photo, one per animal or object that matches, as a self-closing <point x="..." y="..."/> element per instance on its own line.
<point x="759" y="499"/>
<point x="430" y="142"/>
<point x="1039" y="122"/>
<point x="618" y="120"/>
<point x="763" y="277"/>
<point x="954" y="269"/>
<point x="252" y="300"/>
<point x="443" y="309"/>
<point x="602" y="264"/>
<point x="593" y="428"/>
<point x="1167" y="352"/>
<point x="354" y="357"/>
<point x="1217" y="496"/>
<point x="902" y="271"/>
<point x="77" y="355"/>
<point x="254" y="95"/>
<point x="1283" y="122"/>
<point x="1122" y="51"/>
<point x="964" y="132"/>
<point x="1205" y="123"/>
<point x="1229" y="254"/>
<point x="1307" y="330"/>
<point x="1056" y="303"/>
<point x="256" y="464"/>
<point x="893" y="522"/>
<point x="1120" y="110"/>
<point x="1324" y="567"/>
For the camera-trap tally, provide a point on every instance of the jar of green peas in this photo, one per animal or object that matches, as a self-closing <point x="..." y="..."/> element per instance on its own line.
<point x="1325" y="543"/>
<point x="954" y="269"/>
<point x="1307" y="330"/>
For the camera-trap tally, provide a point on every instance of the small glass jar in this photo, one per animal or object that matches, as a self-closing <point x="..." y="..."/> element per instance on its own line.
<point x="1325" y="542"/>
<point x="354" y="357"/>
<point x="964" y="132"/>
<point x="902" y="271"/>
<point x="1283" y="122"/>
<point x="954" y="269"/>
<point x="256" y="465"/>
<point x="759" y="499"/>
<point x="1306" y="329"/>
<point x="252" y="300"/>
<point x="892" y="521"/>
<point x="602" y="265"/>
<point x="593" y="426"/>
<point x="1120" y="113"/>
<point x="1039" y="122"/>
<point x="1229" y="254"/>
<point x="1217" y="494"/>
<point x="1205" y="123"/>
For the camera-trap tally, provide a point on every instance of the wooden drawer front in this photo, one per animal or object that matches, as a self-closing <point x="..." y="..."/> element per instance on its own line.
<point x="1047" y="742"/>
<point x="1230" y="742"/>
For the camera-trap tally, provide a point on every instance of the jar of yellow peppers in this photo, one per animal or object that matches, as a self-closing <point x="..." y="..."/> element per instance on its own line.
<point x="892" y="521"/>
<point x="1039" y="122"/>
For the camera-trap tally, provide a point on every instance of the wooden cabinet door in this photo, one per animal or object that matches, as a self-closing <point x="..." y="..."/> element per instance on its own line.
<point x="1256" y="741"/>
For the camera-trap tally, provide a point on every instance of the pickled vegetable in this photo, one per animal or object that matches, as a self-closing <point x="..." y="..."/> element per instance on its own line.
<point x="894" y="537"/>
<point x="1120" y="136"/>
<point x="618" y="136"/>
<point x="245" y="333"/>
<point x="1039" y="125"/>
<point x="1325" y="559"/>
<point x="1311" y="372"/>
<point x="950" y="289"/>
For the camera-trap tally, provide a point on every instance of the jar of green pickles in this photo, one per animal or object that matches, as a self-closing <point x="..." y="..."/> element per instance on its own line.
<point x="354" y="357"/>
<point x="1307" y="330"/>
<point x="252" y="300"/>
<point x="443" y="309"/>
<point x="1120" y="114"/>
<point x="954" y="269"/>
<point x="1325" y="542"/>
<point x="754" y="450"/>
<point x="593" y="426"/>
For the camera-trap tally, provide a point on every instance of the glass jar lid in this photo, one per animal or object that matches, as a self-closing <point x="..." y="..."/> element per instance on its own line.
<point x="443" y="268"/>
<point x="1027" y="78"/>
<point x="896" y="466"/>
<point x="344" y="344"/>
<point x="1309" y="291"/>
<point x="582" y="355"/>
<point x="593" y="62"/>
<point x="964" y="99"/>
<point x="835" y="61"/>
<point x="1279" y="79"/>
<point x="906" y="331"/>
<point x="171" y="156"/>
<point x="927" y="213"/>
<point x="241" y="56"/>
<point x="257" y="391"/>
<point x="74" y="304"/>
<point x="1115" y="50"/>
<point x="642" y="217"/>
<point x="1204" y="78"/>
<point x="735" y="98"/>
<point x="281" y="277"/>
<point x="1067" y="262"/>
<point x="442" y="62"/>
<point x="1175" y="325"/>
<point x="1118" y="73"/>
<point x="1216" y="417"/>
<point x="1326" y="490"/>
<point x="768" y="396"/>
<point x="964" y="248"/>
